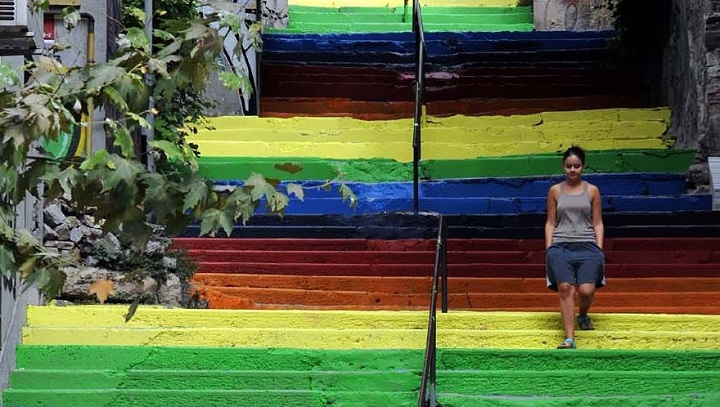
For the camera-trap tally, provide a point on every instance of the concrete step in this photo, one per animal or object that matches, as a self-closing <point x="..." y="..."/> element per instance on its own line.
<point x="138" y="373"/>
<point x="421" y="285"/>
<point x="226" y="169"/>
<point x="350" y="299"/>
<point x="613" y="246"/>
<point x="105" y="325"/>
<point x="392" y="226"/>
<point x="443" y="138"/>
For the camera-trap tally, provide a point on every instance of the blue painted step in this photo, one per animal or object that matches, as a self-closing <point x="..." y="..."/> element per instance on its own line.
<point x="610" y="184"/>
<point x="439" y="43"/>
<point x="629" y="192"/>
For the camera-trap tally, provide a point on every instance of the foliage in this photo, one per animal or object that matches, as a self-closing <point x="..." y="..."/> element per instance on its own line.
<point x="114" y="182"/>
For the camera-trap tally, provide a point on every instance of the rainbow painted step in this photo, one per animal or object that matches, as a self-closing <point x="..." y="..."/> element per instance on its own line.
<point x="462" y="66"/>
<point x="486" y="358"/>
<point x="459" y="137"/>
<point x="314" y="19"/>
<point x="633" y="192"/>
<point x="646" y="275"/>
<point x="332" y="329"/>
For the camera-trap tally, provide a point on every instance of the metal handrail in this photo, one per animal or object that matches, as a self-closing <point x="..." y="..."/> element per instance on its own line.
<point x="427" y="393"/>
<point x="420" y="56"/>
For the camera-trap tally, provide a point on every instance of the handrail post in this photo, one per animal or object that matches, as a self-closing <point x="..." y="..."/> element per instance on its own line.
<point x="419" y="101"/>
<point x="443" y="265"/>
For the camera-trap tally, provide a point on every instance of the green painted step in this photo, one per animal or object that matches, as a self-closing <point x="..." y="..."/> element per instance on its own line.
<point x="208" y="398"/>
<point x="124" y="358"/>
<point x="459" y="16"/>
<point x="666" y="400"/>
<point x="176" y="379"/>
<point x="426" y="10"/>
<point x="387" y="170"/>
<point x="141" y="376"/>
<point x="603" y="161"/>
<point x="148" y="358"/>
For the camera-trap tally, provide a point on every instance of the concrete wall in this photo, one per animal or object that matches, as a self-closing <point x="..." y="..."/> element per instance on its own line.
<point x="573" y="15"/>
<point x="94" y="20"/>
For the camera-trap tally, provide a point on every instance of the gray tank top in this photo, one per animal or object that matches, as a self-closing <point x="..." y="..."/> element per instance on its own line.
<point x="574" y="217"/>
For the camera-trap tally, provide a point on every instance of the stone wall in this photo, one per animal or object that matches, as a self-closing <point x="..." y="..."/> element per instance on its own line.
<point x="92" y="254"/>
<point x="693" y="64"/>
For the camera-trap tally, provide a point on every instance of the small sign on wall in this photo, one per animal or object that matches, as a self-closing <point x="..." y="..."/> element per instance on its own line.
<point x="49" y="30"/>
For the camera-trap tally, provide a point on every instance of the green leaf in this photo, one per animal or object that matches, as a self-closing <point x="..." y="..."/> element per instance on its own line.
<point x="138" y="39"/>
<point x="226" y="221"/>
<point x="277" y="202"/>
<point x="169" y="49"/>
<point x="7" y="260"/>
<point x="259" y="187"/>
<point x="99" y="158"/>
<point x="297" y="190"/>
<point x="348" y="195"/>
<point x="123" y="139"/>
<point x="197" y="193"/>
<point x="9" y="75"/>
<point x="121" y="171"/>
<point x="115" y="98"/>
<point x="210" y="222"/>
<point x="104" y="75"/>
<point x="171" y="151"/>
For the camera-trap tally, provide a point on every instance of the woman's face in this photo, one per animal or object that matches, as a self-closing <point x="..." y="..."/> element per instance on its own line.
<point x="573" y="167"/>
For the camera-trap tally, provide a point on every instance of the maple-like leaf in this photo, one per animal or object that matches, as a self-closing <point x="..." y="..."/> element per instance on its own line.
<point x="102" y="289"/>
<point x="297" y="190"/>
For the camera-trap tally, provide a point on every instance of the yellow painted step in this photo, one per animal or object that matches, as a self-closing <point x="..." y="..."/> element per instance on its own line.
<point x="150" y="316"/>
<point x="457" y="137"/>
<point x="97" y="325"/>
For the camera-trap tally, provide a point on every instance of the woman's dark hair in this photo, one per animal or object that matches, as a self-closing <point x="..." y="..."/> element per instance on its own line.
<point x="577" y="152"/>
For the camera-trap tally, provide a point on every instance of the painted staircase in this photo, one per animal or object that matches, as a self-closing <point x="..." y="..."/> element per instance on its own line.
<point x="89" y="356"/>
<point x="342" y="66"/>
<point x="332" y="299"/>
<point x="660" y="275"/>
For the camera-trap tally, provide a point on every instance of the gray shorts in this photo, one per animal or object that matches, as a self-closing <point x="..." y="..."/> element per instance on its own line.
<point x="575" y="263"/>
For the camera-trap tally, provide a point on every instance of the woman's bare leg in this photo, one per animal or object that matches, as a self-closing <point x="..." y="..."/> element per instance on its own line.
<point x="586" y="295"/>
<point x="567" y="308"/>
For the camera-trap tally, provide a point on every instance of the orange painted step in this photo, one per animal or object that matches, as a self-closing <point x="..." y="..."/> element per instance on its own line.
<point x="455" y="270"/>
<point x="295" y="298"/>
<point x="421" y="285"/>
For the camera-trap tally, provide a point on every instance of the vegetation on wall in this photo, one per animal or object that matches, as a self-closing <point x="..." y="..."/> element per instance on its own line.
<point x="113" y="182"/>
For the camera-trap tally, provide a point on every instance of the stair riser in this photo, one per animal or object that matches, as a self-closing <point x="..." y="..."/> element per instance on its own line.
<point x="456" y="285"/>
<point x="615" y="246"/>
<point x="605" y="301"/>
<point x="367" y="339"/>
<point x="458" y="270"/>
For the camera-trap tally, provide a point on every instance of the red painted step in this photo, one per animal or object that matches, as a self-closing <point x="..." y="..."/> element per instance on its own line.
<point x="284" y="244"/>
<point x="454" y="257"/>
<point x="388" y="110"/>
